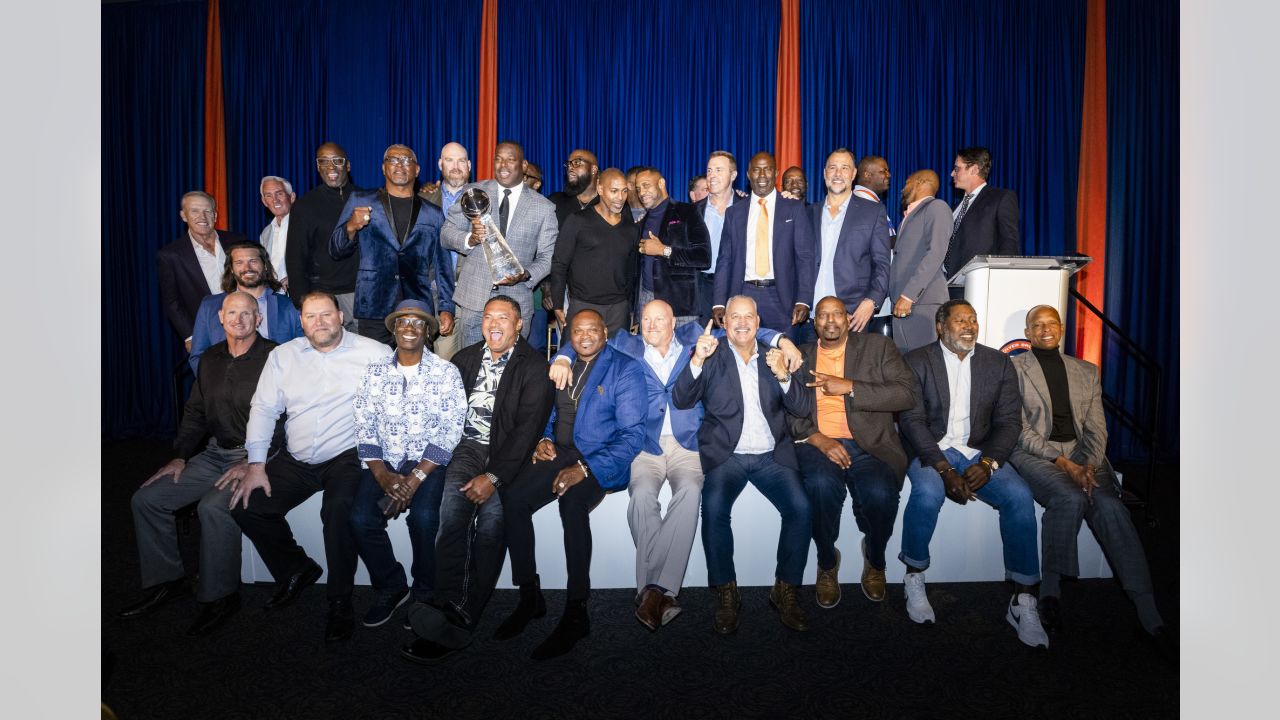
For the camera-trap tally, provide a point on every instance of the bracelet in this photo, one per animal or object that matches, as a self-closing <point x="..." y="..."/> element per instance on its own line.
<point x="585" y="473"/>
<point x="493" y="479"/>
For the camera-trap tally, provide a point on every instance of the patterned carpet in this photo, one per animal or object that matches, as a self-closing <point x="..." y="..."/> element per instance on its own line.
<point x="860" y="659"/>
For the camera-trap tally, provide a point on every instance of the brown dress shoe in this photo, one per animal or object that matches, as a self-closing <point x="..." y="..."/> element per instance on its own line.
<point x="649" y="613"/>
<point x="872" y="579"/>
<point x="727" y="604"/>
<point x="783" y="598"/>
<point x="827" y="589"/>
<point x="669" y="608"/>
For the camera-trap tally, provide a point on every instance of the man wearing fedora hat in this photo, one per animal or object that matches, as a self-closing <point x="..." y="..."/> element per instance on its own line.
<point x="409" y="411"/>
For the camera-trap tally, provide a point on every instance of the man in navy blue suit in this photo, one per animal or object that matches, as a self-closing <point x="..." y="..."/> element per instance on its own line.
<point x="744" y="438"/>
<point x="401" y="258"/>
<point x="767" y="253"/>
<point x="190" y="268"/>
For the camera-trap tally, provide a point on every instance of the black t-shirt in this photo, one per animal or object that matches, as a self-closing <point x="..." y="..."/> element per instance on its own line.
<point x="567" y="401"/>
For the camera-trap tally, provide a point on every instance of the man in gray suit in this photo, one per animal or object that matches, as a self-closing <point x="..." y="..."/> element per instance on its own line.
<point x="916" y="284"/>
<point x="1061" y="455"/>
<point x="527" y="221"/>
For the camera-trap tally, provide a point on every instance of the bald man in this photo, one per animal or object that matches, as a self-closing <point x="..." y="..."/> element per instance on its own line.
<point x="596" y="257"/>
<point x="917" y="286"/>
<point x="581" y="172"/>
<point x="311" y="222"/>
<point x="674" y="248"/>
<point x="455" y="173"/>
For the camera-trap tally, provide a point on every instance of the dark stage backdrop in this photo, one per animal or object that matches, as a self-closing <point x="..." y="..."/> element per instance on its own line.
<point x="653" y="82"/>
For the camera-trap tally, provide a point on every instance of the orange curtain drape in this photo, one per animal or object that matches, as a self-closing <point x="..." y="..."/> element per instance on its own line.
<point x="1091" y="201"/>
<point x="215" y="131"/>
<point x="487" y="117"/>
<point x="787" y="119"/>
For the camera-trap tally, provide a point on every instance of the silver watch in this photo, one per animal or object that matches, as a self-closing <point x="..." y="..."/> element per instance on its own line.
<point x="666" y="252"/>
<point x="417" y="472"/>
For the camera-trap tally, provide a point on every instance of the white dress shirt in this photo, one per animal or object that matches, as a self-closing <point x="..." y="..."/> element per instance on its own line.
<point x="756" y="437"/>
<point x="955" y="211"/>
<point x="958" y="382"/>
<point x="317" y="390"/>
<point x="211" y="264"/>
<point x="830" y="237"/>
<point x="512" y="201"/>
<point x="753" y="218"/>
<point x="274" y="238"/>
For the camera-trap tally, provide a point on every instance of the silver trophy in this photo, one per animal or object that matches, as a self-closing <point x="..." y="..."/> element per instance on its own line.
<point x="502" y="262"/>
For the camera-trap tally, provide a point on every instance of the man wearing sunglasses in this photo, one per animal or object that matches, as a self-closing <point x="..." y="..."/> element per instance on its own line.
<point x="311" y="222"/>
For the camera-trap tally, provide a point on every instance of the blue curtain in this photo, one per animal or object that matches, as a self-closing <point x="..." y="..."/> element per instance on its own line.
<point x="1142" y="205"/>
<point x="638" y="83"/>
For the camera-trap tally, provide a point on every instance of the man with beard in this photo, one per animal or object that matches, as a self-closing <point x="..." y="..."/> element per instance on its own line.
<point x="916" y="283"/>
<point x="767" y="253"/>
<point x="312" y="382"/>
<point x="533" y="177"/>
<point x="633" y="197"/>
<point x="455" y="172"/>
<point x="596" y="255"/>
<point x="409" y="411"/>
<point x="249" y="271"/>
<point x="873" y="183"/>
<point x="401" y="257"/>
<point x="853" y="245"/>
<point x="527" y="221"/>
<point x="312" y="219"/>
<point x="191" y="267"/>
<point x="849" y="441"/>
<point x="796" y="184"/>
<point x="743" y="438"/>
<point x="596" y="429"/>
<point x="580" y="175"/>
<point x="219" y="408"/>
<point x="673" y="248"/>
<point x="508" y="401"/>
<point x="278" y="197"/>
<point x="1062" y="455"/>
<point x="722" y="170"/>
<point x="962" y="430"/>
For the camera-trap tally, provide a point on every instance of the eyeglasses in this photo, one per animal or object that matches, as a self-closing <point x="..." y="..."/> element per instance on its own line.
<point x="532" y="178"/>
<point x="401" y="160"/>
<point x="334" y="161"/>
<point x="577" y="162"/>
<point x="413" y="322"/>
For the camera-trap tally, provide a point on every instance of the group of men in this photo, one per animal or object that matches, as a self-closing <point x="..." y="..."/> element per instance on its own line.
<point x="404" y="381"/>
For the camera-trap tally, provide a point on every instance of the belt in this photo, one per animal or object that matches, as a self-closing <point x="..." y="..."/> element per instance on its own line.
<point x="762" y="283"/>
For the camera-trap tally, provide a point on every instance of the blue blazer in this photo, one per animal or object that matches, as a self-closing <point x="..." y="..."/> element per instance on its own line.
<point x="720" y="390"/>
<point x="794" y="266"/>
<point x="609" y="428"/>
<point x="861" y="262"/>
<point x="283" y="324"/>
<point x="388" y="273"/>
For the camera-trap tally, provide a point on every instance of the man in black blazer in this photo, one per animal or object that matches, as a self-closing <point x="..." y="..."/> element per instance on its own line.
<point x="674" y="249"/>
<point x="745" y="392"/>
<point x="190" y="267"/>
<point x="510" y="398"/>
<point x="986" y="220"/>
<point x="962" y="430"/>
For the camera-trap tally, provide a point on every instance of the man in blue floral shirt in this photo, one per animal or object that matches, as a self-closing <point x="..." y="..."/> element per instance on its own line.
<point x="409" y="411"/>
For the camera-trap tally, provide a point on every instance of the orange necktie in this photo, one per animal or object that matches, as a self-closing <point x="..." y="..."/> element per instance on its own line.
<point x="762" y="241"/>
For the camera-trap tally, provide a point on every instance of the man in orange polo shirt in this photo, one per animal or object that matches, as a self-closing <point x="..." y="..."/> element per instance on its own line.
<point x="849" y="441"/>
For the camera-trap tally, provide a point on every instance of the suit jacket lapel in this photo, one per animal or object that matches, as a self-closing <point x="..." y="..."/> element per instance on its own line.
<point x="938" y="366"/>
<point x="1036" y="376"/>
<point x="1078" y="378"/>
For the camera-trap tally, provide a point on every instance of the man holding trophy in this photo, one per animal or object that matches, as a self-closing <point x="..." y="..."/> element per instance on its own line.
<point x="505" y="236"/>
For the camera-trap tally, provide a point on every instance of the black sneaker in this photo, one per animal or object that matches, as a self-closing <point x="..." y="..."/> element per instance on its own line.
<point x="384" y="606"/>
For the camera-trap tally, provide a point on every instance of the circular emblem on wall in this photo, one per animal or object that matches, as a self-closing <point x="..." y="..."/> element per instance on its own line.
<point x="1016" y="347"/>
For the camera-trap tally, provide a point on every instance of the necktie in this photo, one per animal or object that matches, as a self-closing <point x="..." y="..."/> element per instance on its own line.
<point x="762" y="241"/>
<point x="947" y="268"/>
<point x="502" y="211"/>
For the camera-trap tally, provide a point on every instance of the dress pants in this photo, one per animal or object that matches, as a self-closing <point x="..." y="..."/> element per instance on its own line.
<point x="917" y="329"/>
<point x="773" y="314"/>
<point x="470" y="544"/>
<point x="529" y="492"/>
<point x="706" y="289"/>
<point x="292" y="482"/>
<point x="782" y="487"/>
<point x="153" y="521"/>
<point x="369" y="529"/>
<point x="347" y="304"/>
<point x="663" y="543"/>
<point x="1065" y="506"/>
<point x="616" y="316"/>
<point x="871" y="485"/>
<point x="375" y="330"/>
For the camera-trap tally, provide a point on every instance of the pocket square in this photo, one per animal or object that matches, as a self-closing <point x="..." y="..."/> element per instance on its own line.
<point x="788" y="220"/>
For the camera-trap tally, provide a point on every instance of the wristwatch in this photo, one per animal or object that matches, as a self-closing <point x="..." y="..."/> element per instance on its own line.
<point x="416" y="472"/>
<point x="991" y="463"/>
<point x="666" y="252"/>
<point x="493" y="479"/>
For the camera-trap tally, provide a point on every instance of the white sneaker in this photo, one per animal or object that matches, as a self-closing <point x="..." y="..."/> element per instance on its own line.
<point x="1024" y="616"/>
<point x="918" y="606"/>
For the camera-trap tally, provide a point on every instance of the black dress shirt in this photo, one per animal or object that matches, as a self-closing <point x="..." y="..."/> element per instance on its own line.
<point x="219" y="402"/>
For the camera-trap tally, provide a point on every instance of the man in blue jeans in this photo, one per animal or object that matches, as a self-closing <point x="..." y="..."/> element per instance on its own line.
<point x="965" y="424"/>
<point x="409" y="410"/>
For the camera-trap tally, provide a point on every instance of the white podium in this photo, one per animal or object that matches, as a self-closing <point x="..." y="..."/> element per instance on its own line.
<point x="1002" y="288"/>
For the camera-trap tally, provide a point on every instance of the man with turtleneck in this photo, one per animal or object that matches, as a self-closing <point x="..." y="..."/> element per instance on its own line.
<point x="1061" y="455"/>
<point x="311" y="221"/>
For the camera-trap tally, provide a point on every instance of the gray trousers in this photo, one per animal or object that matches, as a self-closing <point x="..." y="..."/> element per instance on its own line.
<point x="446" y="346"/>
<point x="1065" y="506"/>
<point x="157" y="531"/>
<point x="915" y="330"/>
<point x="467" y="322"/>
<point x="347" y="304"/>
<point x="663" y="543"/>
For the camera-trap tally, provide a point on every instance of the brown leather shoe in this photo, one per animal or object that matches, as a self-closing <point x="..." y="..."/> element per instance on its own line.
<point x="727" y="604"/>
<point x="649" y="613"/>
<point x="668" y="609"/>
<point x="827" y="589"/>
<point x="783" y="598"/>
<point x="872" y="579"/>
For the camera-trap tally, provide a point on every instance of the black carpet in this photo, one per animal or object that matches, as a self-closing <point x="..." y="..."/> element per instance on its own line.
<point x="860" y="659"/>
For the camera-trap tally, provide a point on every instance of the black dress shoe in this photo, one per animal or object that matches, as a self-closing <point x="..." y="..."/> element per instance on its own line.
<point x="213" y="614"/>
<point x="425" y="652"/>
<point x="574" y="626"/>
<point x="1050" y="608"/>
<point x="342" y="621"/>
<point x="532" y="605"/>
<point x="291" y="588"/>
<point x="160" y="595"/>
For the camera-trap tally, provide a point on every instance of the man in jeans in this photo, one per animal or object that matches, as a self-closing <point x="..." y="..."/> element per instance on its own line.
<point x="508" y="402"/>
